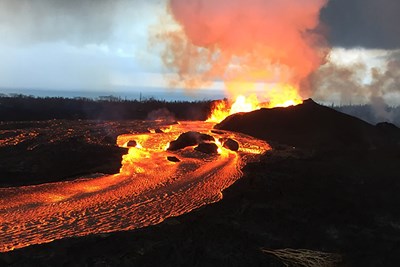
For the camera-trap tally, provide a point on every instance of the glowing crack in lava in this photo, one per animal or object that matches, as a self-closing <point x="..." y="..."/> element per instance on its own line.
<point x="148" y="189"/>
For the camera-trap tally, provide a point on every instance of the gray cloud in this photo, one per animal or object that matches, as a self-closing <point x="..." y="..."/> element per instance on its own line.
<point x="75" y="44"/>
<point x="364" y="23"/>
<point x="351" y="23"/>
<point x="73" y="21"/>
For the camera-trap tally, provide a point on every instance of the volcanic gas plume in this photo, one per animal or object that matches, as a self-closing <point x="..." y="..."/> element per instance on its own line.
<point x="262" y="47"/>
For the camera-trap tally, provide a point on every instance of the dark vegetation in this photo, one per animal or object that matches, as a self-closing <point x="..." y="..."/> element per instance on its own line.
<point x="28" y="108"/>
<point x="336" y="191"/>
<point x="18" y="107"/>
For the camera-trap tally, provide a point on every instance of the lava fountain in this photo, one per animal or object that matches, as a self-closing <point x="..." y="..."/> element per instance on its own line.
<point x="284" y="97"/>
<point x="262" y="51"/>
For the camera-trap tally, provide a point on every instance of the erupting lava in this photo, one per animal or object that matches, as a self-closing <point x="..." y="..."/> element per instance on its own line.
<point x="248" y="42"/>
<point x="282" y="96"/>
<point x="153" y="184"/>
<point x="245" y="44"/>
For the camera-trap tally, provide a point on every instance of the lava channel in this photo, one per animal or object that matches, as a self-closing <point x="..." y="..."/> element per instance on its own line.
<point x="148" y="189"/>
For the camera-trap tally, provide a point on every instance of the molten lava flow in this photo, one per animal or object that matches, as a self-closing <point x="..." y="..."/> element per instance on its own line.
<point x="148" y="189"/>
<point x="279" y="96"/>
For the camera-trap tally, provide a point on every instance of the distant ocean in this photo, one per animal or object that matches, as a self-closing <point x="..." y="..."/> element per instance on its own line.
<point x="125" y="93"/>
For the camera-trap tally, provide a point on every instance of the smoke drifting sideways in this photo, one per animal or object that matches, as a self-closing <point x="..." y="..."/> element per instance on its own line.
<point x="249" y="42"/>
<point x="360" y="80"/>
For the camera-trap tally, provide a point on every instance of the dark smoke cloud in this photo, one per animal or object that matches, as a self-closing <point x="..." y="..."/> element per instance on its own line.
<point x="364" y="23"/>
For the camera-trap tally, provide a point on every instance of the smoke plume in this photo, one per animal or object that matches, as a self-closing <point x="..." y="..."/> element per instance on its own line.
<point x="244" y="42"/>
<point x="350" y="82"/>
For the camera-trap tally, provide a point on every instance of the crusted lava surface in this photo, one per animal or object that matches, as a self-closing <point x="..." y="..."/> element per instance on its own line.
<point x="45" y="151"/>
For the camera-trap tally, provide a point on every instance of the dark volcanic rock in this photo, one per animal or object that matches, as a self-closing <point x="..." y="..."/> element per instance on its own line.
<point x="57" y="161"/>
<point x="390" y="131"/>
<point x="344" y="203"/>
<point x="208" y="148"/>
<point x="217" y="132"/>
<point x="109" y="140"/>
<point x="320" y="203"/>
<point x="388" y="127"/>
<point x="158" y="130"/>
<point x="308" y="125"/>
<point x="230" y="144"/>
<point x="47" y="151"/>
<point x="173" y="159"/>
<point x="189" y="139"/>
<point x="131" y="143"/>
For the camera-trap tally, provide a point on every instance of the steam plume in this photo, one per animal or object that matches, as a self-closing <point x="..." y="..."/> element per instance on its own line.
<point x="252" y="41"/>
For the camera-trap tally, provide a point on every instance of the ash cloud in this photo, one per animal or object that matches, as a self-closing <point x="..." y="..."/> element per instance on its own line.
<point x="244" y="41"/>
<point x="363" y="23"/>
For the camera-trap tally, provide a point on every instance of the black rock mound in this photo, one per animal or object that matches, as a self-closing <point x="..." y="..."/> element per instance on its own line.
<point x="308" y="125"/>
<point x="207" y="148"/>
<point x="229" y="143"/>
<point x="391" y="132"/>
<point x="189" y="139"/>
<point x="173" y="159"/>
<point x="131" y="143"/>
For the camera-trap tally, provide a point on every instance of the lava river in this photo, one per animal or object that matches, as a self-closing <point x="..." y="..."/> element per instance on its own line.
<point x="148" y="189"/>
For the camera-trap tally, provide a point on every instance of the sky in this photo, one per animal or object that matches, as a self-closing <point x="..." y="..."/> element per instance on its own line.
<point x="103" y="45"/>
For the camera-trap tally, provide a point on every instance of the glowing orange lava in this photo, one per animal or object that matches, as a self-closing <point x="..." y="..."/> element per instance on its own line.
<point x="148" y="189"/>
<point x="279" y="96"/>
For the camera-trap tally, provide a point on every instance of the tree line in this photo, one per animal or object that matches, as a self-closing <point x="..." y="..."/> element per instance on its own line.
<point x="19" y="107"/>
<point x="26" y="108"/>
